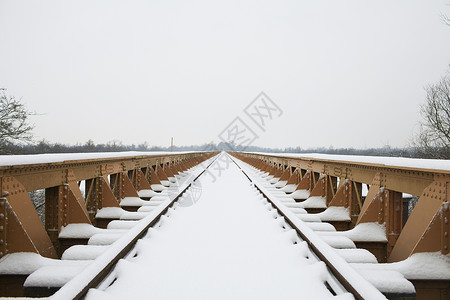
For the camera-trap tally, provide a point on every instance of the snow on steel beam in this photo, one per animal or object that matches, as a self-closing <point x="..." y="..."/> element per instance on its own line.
<point x="405" y="175"/>
<point x="49" y="170"/>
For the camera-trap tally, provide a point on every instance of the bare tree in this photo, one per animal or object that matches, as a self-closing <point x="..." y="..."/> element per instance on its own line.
<point x="14" y="124"/>
<point x="433" y="139"/>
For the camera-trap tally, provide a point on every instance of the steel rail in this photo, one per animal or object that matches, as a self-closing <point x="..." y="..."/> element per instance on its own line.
<point x="93" y="275"/>
<point x="347" y="276"/>
<point x="100" y="159"/>
<point x="409" y="180"/>
<point x="43" y="175"/>
<point x="347" y="162"/>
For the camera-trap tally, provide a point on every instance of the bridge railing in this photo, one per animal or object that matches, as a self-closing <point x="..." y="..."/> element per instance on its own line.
<point x="340" y="182"/>
<point x="108" y="180"/>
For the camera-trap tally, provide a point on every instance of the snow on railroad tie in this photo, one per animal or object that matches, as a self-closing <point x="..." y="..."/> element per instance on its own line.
<point x="373" y="277"/>
<point x="226" y="245"/>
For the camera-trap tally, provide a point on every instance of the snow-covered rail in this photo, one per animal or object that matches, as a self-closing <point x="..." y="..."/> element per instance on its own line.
<point x="97" y="272"/>
<point x="366" y="200"/>
<point x="149" y="271"/>
<point x="340" y="270"/>
<point x="83" y="194"/>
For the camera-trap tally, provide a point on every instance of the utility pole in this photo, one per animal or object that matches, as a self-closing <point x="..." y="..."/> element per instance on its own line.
<point x="171" y="144"/>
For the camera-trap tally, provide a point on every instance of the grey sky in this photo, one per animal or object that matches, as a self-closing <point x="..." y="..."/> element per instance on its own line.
<point x="345" y="73"/>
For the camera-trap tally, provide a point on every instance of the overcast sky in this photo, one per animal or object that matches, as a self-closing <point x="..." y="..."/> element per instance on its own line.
<point x="343" y="73"/>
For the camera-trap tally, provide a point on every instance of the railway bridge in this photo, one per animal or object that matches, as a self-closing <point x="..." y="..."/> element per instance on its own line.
<point x="213" y="225"/>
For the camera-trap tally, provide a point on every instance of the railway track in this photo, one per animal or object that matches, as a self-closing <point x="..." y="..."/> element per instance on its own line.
<point x="92" y="263"/>
<point x="213" y="232"/>
<point x="102" y="274"/>
<point x="335" y="253"/>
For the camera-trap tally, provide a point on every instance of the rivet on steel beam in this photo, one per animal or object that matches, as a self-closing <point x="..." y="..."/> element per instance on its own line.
<point x="1" y="228"/>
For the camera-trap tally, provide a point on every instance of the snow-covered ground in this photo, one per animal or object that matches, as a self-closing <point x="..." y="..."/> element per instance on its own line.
<point x="435" y="164"/>
<point x="225" y="246"/>
<point x="11" y="160"/>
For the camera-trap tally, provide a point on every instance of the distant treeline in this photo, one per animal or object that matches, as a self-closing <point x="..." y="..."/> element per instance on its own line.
<point x="115" y="146"/>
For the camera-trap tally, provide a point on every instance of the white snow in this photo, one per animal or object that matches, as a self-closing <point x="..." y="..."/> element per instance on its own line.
<point x="309" y="218"/>
<point x="298" y="210"/>
<point x="53" y="276"/>
<point x="104" y="238"/>
<point x="147" y="193"/>
<point x="322" y="226"/>
<point x="146" y="208"/>
<point x="357" y="256"/>
<point x="165" y="183"/>
<point x="135" y="215"/>
<point x="274" y="180"/>
<point x="80" y="230"/>
<point x="23" y="263"/>
<point x="300" y="194"/>
<point x="11" y="160"/>
<point x="364" y="232"/>
<point x="335" y="213"/>
<point x="280" y="184"/>
<point x="396" y="283"/>
<point x="134" y="201"/>
<point x="110" y="213"/>
<point x="159" y="198"/>
<point x="292" y="204"/>
<point x="429" y="265"/>
<point x="121" y="224"/>
<point x="269" y="177"/>
<point x="436" y="164"/>
<point x="287" y="200"/>
<point x="289" y="188"/>
<point x="83" y="231"/>
<point x="83" y="252"/>
<point x="158" y="187"/>
<point x="314" y="202"/>
<point x="339" y="242"/>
